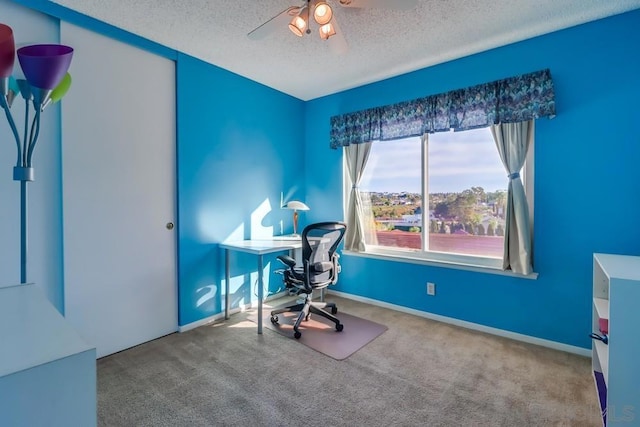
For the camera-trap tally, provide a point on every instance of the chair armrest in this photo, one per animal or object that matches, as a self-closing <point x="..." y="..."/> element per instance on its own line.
<point x="286" y="259"/>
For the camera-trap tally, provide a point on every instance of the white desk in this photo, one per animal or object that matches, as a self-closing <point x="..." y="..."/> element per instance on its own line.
<point x="257" y="247"/>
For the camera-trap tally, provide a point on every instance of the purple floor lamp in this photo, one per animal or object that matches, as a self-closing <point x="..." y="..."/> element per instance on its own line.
<point x="46" y="80"/>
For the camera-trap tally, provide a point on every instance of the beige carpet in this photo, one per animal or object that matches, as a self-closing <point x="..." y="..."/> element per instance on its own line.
<point x="320" y="334"/>
<point x="419" y="372"/>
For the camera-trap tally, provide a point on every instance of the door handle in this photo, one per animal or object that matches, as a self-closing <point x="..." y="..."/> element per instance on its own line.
<point x="169" y="226"/>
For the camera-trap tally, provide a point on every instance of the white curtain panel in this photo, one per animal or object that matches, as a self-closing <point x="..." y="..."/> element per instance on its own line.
<point x="356" y="156"/>
<point x="513" y="141"/>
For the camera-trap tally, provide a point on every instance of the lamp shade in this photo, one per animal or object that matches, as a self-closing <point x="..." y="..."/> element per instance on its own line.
<point x="13" y="90"/>
<point x="45" y="65"/>
<point x="7" y="51"/>
<point x="295" y="204"/>
<point x="25" y="89"/>
<point x="326" y="31"/>
<point x="299" y="23"/>
<point x="322" y="13"/>
<point x="62" y="88"/>
<point x="59" y="91"/>
<point x="13" y="85"/>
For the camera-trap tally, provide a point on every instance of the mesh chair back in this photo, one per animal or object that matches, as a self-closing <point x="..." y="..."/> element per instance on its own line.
<point x="319" y="244"/>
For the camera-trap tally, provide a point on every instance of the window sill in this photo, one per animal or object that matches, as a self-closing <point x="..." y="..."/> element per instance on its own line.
<point x="443" y="264"/>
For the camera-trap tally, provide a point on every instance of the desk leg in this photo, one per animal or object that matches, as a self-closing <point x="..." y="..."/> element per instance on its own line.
<point x="226" y="284"/>
<point x="260" y="293"/>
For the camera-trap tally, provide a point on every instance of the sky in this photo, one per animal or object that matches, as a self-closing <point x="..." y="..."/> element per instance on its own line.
<point x="457" y="161"/>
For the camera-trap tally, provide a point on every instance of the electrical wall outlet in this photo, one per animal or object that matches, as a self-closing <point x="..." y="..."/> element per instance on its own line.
<point x="431" y="288"/>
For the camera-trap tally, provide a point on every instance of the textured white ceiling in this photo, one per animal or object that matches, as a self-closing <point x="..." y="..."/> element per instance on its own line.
<point x="382" y="42"/>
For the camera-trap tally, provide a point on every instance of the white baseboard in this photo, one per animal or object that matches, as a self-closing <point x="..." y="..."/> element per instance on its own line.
<point x="469" y="325"/>
<point x="201" y="322"/>
<point x="211" y="319"/>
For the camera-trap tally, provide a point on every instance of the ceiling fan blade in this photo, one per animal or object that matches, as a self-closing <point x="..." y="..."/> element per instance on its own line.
<point x="337" y="43"/>
<point x="380" y="4"/>
<point x="279" y="21"/>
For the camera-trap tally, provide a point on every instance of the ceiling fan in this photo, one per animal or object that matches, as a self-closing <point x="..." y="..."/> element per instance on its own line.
<point x="299" y="20"/>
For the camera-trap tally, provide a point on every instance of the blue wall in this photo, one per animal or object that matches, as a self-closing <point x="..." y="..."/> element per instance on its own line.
<point x="587" y="189"/>
<point x="240" y="146"/>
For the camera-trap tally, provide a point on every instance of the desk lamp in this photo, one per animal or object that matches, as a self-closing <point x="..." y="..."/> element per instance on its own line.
<point x="296" y="206"/>
<point x="46" y="80"/>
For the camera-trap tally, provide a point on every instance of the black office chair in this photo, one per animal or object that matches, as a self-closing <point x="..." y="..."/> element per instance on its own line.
<point x="320" y="269"/>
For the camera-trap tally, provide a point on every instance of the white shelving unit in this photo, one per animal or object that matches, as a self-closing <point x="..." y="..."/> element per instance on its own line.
<point x="616" y="365"/>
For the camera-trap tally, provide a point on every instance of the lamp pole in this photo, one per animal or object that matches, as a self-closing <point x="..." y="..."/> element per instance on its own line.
<point x="23" y="172"/>
<point x="295" y="221"/>
<point x="23" y="231"/>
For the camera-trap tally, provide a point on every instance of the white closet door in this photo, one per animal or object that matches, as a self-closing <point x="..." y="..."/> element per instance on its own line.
<point x="118" y="180"/>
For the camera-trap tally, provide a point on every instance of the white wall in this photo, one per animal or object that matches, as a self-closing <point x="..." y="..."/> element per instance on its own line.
<point x="45" y="201"/>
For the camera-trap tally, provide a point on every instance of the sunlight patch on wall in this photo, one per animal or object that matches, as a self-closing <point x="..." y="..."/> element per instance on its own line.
<point x="208" y="291"/>
<point x="259" y="231"/>
<point x="235" y="235"/>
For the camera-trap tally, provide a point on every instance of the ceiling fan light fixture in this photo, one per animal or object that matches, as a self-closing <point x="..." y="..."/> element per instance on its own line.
<point x="326" y="31"/>
<point x="298" y="24"/>
<point x="322" y="13"/>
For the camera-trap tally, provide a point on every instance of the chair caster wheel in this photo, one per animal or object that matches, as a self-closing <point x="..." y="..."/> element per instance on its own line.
<point x="297" y="335"/>
<point x="334" y="310"/>
<point x="274" y="320"/>
<point x="339" y="327"/>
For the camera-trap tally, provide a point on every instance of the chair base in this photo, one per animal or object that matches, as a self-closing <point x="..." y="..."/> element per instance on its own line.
<point x="305" y="310"/>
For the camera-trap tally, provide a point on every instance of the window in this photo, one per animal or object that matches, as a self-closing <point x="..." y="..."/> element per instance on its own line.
<point x="440" y="197"/>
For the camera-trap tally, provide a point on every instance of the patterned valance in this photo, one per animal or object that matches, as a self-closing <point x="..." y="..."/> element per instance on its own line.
<point x="515" y="99"/>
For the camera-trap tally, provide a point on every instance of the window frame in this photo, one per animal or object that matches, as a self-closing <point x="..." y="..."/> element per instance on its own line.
<point x="422" y="256"/>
